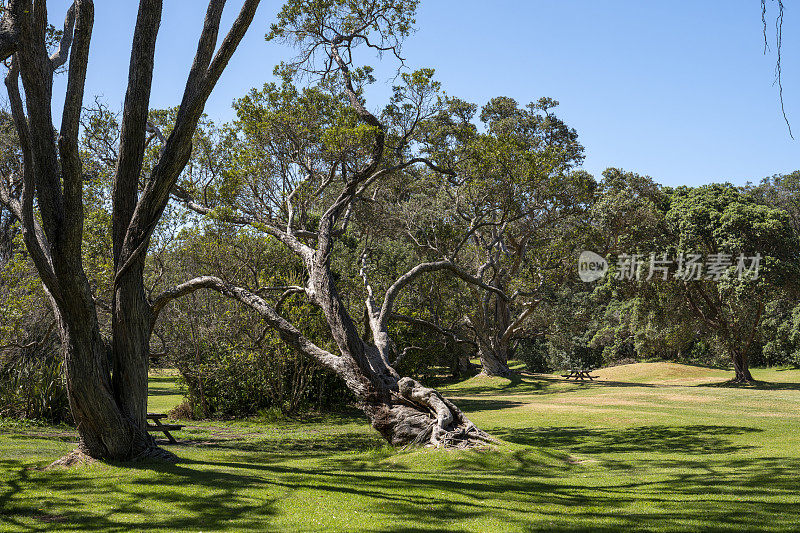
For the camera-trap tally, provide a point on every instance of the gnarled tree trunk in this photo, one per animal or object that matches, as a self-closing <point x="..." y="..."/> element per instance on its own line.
<point x="490" y="324"/>
<point x="401" y="409"/>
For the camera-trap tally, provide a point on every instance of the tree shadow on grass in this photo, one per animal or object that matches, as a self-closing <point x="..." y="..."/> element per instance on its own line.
<point x="755" y="385"/>
<point x="62" y="502"/>
<point x="526" y="383"/>
<point x="534" y="493"/>
<point x="472" y="405"/>
<point x="687" y="495"/>
<point x="697" y="439"/>
<point x="292" y="447"/>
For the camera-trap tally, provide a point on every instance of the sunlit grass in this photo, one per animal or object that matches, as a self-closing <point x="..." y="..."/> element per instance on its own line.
<point x="655" y="447"/>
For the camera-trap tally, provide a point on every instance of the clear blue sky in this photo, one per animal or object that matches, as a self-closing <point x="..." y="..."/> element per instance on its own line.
<point x="678" y="90"/>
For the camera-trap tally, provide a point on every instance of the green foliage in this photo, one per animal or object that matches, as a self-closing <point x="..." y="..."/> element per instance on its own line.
<point x="32" y="382"/>
<point x="230" y="363"/>
<point x="380" y="23"/>
<point x="782" y="333"/>
<point x="31" y="379"/>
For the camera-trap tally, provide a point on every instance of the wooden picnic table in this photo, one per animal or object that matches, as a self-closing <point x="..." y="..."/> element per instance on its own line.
<point x="579" y="374"/>
<point x="165" y="428"/>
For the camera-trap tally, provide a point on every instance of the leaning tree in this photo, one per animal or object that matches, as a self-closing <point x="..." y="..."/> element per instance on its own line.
<point x="302" y="166"/>
<point x="106" y="379"/>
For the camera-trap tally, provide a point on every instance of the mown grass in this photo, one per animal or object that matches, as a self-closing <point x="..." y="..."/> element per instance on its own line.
<point x="646" y="447"/>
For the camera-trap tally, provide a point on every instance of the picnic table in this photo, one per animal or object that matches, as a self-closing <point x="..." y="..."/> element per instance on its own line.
<point x="165" y="428"/>
<point x="579" y="374"/>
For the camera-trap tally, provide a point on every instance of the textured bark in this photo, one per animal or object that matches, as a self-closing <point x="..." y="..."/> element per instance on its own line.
<point x="494" y="361"/>
<point x="490" y="323"/>
<point x="741" y="367"/>
<point x="109" y="405"/>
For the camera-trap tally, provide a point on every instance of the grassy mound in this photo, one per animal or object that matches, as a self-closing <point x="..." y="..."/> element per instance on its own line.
<point x="663" y="373"/>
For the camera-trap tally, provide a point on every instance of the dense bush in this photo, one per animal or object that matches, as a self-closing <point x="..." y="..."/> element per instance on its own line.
<point x="32" y="382"/>
<point x="225" y="382"/>
<point x="533" y="352"/>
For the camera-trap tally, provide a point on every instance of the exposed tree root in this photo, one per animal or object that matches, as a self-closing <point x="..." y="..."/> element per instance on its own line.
<point x="74" y="458"/>
<point x="432" y="420"/>
<point x="78" y="457"/>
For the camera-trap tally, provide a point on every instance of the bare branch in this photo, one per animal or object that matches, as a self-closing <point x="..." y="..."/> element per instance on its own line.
<point x="288" y="333"/>
<point x="402" y="355"/>
<point x="290" y="241"/>
<point x="231" y="41"/>
<point x="134" y="121"/>
<point x="8" y="32"/>
<point x="178" y="148"/>
<point x="435" y="327"/>
<point x="35" y="239"/>
<point x="515" y="326"/>
<point x="71" y="167"/>
<point x="411" y="275"/>
<point x="59" y="58"/>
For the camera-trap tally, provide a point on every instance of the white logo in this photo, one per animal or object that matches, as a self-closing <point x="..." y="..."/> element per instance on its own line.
<point x="591" y="266"/>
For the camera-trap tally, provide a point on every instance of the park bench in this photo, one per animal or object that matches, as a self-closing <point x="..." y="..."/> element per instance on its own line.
<point x="165" y="428"/>
<point x="579" y="374"/>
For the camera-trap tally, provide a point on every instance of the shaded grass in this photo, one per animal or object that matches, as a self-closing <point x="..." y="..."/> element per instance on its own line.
<point x="645" y="454"/>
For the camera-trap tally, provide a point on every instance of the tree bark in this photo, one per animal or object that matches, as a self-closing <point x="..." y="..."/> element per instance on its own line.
<point x="490" y="324"/>
<point x="109" y="405"/>
<point x="741" y="367"/>
<point x="494" y="361"/>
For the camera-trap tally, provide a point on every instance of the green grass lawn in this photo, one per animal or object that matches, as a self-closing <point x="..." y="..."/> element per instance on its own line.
<point x="646" y="447"/>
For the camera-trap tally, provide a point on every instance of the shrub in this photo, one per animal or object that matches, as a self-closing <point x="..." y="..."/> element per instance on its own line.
<point x="222" y="381"/>
<point x="32" y="383"/>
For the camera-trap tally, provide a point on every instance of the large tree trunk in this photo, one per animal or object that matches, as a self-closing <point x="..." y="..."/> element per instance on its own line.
<point x="108" y="407"/>
<point x="490" y="324"/>
<point x="401" y="409"/>
<point x="494" y="361"/>
<point x="741" y="367"/>
<point x="105" y="429"/>
<point x="493" y="350"/>
<point x="131" y="326"/>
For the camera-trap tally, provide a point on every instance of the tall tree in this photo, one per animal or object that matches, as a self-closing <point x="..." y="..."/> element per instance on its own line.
<point x="109" y="404"/>
<point x="724" y="224"/>
<point x="307" y="160"/>
<point x="520" y="190"/>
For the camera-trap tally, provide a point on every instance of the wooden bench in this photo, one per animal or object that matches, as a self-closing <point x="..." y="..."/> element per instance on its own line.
<point x="579" y="375"/>
<point x="165" y="428"/>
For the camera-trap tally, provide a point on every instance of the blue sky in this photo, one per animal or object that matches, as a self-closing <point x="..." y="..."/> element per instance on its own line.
<point x="677" y="90"/>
